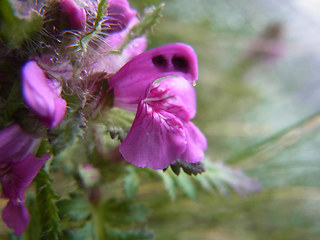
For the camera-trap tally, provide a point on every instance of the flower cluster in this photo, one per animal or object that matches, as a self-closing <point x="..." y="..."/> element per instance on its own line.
<point x="81" y="48"/>
<point x="161" y="132"/>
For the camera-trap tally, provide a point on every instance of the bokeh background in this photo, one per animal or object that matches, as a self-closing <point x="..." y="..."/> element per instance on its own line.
<point x="258" y="105"/>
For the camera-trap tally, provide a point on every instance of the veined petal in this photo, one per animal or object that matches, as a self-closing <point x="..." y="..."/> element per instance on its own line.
<point x="174" y="95"/>
<point x="16" y="216"/>
<point x="41" y="95"/>
<point x="133" y="81"/>
<point x="15" y="144"/>
<point x="155" y="140"/>
<point x="196" y="143"/>
<point x="15" y="177"/>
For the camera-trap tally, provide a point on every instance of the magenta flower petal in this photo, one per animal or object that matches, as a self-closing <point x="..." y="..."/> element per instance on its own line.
<point x="15" y="144"/>
<point x="16" y="176"/>
<point x="155" y="140"/>
<point x="16" y="216"/>
<point x="18" y="167"/>
<point x="119" y="15"/>
<point x="174" y="95"/>
<point x="196" y="143"/>
<point x="41" y="95"/>
<point x="76" y="15"/>
<point x="133" y="81"/>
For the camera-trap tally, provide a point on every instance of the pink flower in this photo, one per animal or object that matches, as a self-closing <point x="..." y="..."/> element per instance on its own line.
<point x="120" y="21"/>
<point x="42" y="95"/>
<point x="18" y="167"/>
<point x="76" y="16"/>
<point x="119" y="15"/>
<point x="161" y="132"/>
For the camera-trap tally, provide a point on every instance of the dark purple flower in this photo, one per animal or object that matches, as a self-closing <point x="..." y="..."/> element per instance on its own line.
<point x="42" y="95"/>
<point x="76" y="15"/>
<point x="161" y="132"/>
<point x="16" y="216"/>
<point x="18" y="167"/>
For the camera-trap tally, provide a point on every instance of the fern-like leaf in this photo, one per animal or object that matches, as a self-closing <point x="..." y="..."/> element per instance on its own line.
<point x="45" y="197"/>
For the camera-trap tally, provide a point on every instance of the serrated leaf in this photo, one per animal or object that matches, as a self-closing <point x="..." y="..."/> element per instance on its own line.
<point x="118" y="122"/>
<point x="67" y="131"/>
<point x="131" y="182"/>
<point x="224" y="178"/>
<point x="33" y="230"/>
<point x="45" y="197"/>
<point x="71" y="156"/>
<point x="14" y="30"/>
<point x="76" y="208"/>
<point x="169" y="184"/>
<point x="130" y="235"/>
<point x="187" y="186"/>
<point x="118" y="212"/>
<point x="84" y="233"/>
<point x="150" y="18"/>
<point x="206" y="184"/>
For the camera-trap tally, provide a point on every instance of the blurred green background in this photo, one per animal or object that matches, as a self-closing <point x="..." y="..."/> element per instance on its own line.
<point x="258" y="103"/>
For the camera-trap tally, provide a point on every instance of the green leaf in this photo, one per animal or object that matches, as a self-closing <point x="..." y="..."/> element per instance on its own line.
<point x="45" y="197"/>
<point x="70" y="157"/>
<point x="86" y="232"/>
<point x="118" y="122"/>
<point x="131" y="182"/>
<point x="68" y="131"/>
<point x="169" y="184"/>
<point x="123" y="212"/>
<point x="150" y="18"/>
<point x="76" y="208"/>
<point x="217" y="176"/>
<point x="185" y="183"/>
<point x="224" y="178"/>
<point x="33" y="230"/>
<point x="14" y="30"/>
<point x="130" y="235"/>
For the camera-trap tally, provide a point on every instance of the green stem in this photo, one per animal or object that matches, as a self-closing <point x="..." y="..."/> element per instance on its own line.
<point x="98" y="222"/>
